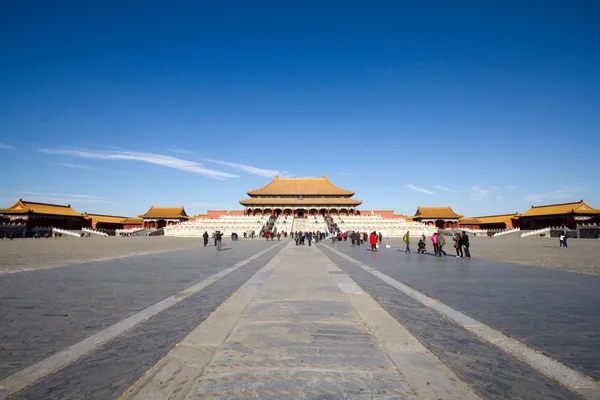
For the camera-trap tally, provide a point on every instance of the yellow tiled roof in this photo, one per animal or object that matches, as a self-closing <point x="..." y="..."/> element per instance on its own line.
<point x="436" y="212"/>
<point x="30" y="207"/>
<point x="165" y="213"/>
<point x="497" y="219"/>
<point x="469" y="221"/>
<point x="344" y="201"/>
<point x="579" y="207"/>
<point x="132" y="221"/>
<point x="300" y="186"/>
<point x="107" y="219"/>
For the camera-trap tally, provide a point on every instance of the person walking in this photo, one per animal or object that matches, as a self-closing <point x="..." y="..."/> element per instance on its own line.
<point x="218" y="241"/>
<point x="380" y="238"/>
<point x="267" y="235"/>
<point x="373" y="241"/>
<point x="406" y="239"/>
<point x="458" y="245"/>
<point x="563" y="240"/>
<point x="465" y="244"/>
<point x="205" y="236"/>
<point x="441" y="242"/>
<point x="309" y="238"/>
<point x="278" y="236"/>
<point x="434" y="241"/>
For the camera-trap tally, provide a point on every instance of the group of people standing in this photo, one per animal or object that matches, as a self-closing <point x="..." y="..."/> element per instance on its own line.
<point x="217" y="237"/>
<point x="310" y="237"/>
<point x="461" y="244"/>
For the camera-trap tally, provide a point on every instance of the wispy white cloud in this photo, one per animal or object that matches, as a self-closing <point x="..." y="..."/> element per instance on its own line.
<point x="150" y="158"/>
<point x="6" y="146"/>
<point x="180" y="151"/>
<point x="65" y="197"/>
<point x="446" y="189"/>
<point x="418" y="189"/>
<point x="348" y="174"/>
<point x="269" y="173"/>
<point x="510" y="187"/>
<point x="479" y="193"/>
<point x="76" y="166"/>
<point x="555" y="195"/>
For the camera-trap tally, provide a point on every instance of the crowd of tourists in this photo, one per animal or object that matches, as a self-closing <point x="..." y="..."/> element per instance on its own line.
<point x="438" y="241"/>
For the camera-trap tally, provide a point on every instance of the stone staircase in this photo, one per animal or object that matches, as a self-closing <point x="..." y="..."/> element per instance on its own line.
<point x="299" y="224"/>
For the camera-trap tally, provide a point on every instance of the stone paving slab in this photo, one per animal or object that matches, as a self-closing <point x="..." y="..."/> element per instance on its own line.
<point x="492" y="373"/>
<point x="256" y="361"/>
<point x="108" y="370"/>
<point x="555" y="312"/>
<point x="581" y="256"/>
<point x="33" y="254"/>
<point x="45" y="311"/>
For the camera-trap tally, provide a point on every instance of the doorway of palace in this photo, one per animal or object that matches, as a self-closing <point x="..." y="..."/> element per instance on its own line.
<point x="277" y="212"/>
<point x="323" y="212"/>
<point x="300" y="213"/>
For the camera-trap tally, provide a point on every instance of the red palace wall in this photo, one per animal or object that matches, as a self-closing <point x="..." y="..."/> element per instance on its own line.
<point x="383" y="213"/>
<point x="215" y="213"/>
<point x="220" y="213"/>
<point x="140" y="226"/>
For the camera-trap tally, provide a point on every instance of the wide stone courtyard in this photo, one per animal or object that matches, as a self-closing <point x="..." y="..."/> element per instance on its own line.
<point x="155" y="317"/>
<point x="29" y="254"/>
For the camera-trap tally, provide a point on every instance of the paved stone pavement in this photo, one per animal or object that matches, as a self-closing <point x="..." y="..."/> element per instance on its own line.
<point x="42" y="312"/>
<point x="297" y="325"/>
<point x="556" y="312"/>
<point x="581" y="256"/>
<point x="32" y="254"/>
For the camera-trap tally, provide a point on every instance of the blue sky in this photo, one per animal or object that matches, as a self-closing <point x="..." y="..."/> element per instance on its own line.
<point x="112" y="107"/>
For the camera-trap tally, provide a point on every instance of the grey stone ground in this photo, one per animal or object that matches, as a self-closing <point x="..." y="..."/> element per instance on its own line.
<point x="30" y="254"/>
<point x="42" y="311"/>
<point x="554" y="311"/>
<point x="581" y="256"/>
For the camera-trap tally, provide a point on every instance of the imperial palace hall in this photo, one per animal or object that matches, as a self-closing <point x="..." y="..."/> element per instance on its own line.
<point x="300" y="197"/>
<point x="33" y="214"/>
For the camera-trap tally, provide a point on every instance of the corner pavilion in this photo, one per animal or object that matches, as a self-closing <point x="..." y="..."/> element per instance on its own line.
<point x="300" y="197"/>
<point x="159" y="217"/>
<point x="441" y="217"/>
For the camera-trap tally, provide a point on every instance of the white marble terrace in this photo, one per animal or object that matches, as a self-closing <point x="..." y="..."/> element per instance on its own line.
<point x="226" y="224"/>
<point x="390" y="227"/>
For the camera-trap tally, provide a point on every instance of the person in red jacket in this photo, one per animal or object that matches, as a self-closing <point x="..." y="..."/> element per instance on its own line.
<point x="373" y="241"/>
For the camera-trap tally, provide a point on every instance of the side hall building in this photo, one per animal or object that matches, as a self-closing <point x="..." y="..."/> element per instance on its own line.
<point x="35" y="215"/>
<point x="159" y="217"/>
<point x="565" y="214"/>
<point x="440" y="217"/>
<point x="300" y="197"/>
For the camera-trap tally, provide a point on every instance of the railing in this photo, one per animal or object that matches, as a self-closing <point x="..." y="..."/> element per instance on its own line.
<point x="94" y="232"/>
<point x="506" y="232"/>
<point x="537" y="232"/>
<point x="65" y="232"/>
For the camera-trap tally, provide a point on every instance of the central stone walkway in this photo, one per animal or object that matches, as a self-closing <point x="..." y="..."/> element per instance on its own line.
<point x="300" y="337"/>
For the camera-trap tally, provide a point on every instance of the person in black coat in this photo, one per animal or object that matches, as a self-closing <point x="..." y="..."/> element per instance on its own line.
<point x="205" y="236"/>
<point x="465" y="244"/>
